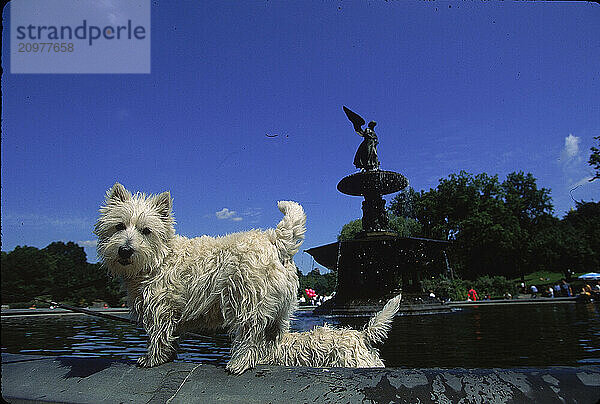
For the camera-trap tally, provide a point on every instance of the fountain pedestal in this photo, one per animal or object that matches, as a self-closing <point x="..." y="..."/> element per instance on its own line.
<point x="372" y="184"/>
<point x="377" y="264"/>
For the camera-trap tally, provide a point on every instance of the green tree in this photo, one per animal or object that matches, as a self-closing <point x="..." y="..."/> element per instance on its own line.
<point x="491" y="223"/>
<point x="69" y="269"/>
<point x="552" y="245"/>
<point x="524" y="200"/>
<point x="322" y="284"/>
<point x="24" y="271"/>
<point x="404" y="203"/>
<point x="350" y="229"/>
<point x="59" y="271"/>
<point x="529" y="206"/>
<point x="583" y="226"/>
<point x="404" y="227"/>
<point x="441" y="211"/>
<point x="445" y="288"/>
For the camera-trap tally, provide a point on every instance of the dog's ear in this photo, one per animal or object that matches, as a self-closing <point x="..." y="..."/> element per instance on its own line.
<point x="117" y="193"/>
<point x="163" y="203"/>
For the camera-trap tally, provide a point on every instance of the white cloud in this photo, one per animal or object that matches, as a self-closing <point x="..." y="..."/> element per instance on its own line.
<point x="571" y="148"/>
<point x="226" y="214"/>
<point x="88" y="243"/>
<point x="571" y="160"/>
<point x="585" y="180"/>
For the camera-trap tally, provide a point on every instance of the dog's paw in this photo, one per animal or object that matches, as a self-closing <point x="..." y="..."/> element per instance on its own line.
<point x="236" y="368"/>
<point x="149" y="361"/>
<point x="144" y="362"/>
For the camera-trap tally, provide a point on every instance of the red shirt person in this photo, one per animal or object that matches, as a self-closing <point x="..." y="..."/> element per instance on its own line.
<point x="472" y="294"/>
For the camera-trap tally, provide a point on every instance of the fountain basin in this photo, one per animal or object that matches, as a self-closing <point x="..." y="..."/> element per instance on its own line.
<point x="376" y="266"/>
<point x="365" y="183"/>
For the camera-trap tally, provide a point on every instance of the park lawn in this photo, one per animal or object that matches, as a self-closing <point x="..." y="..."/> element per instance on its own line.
<point x="545" y="278"/>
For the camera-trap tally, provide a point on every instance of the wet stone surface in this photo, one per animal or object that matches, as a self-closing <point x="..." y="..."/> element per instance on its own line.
<point x="94" y="380"/>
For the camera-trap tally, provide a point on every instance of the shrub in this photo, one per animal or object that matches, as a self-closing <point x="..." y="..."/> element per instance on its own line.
<point x="495" y="287"/>
<point x="445" y="288"/>
<point x="456" y="289"/>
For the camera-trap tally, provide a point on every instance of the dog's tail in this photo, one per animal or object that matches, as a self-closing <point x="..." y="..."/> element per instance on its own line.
<point x="378" y="326"/>
<point x="289" y="233"/>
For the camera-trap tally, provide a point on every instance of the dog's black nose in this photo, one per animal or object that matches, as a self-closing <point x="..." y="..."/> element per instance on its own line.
<point x="125" y="252"/>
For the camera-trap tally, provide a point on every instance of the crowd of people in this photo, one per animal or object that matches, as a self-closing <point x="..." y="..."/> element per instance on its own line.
<point x="560" y="289"/>
<point x="311" y="298"/>
<point x="563" y="289"/>
<point x="590" y="293"/>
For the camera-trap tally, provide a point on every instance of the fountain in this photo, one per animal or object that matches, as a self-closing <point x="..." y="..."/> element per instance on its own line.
<point x="377" y="264"/>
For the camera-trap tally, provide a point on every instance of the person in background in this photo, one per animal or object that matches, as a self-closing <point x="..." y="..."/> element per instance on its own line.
<point x="551" y="291"/>
<point x="472" y="295"/>
<point x="534" y="291"/>
<point x="596" y="292"/>
<point x="431" y="295"/>
<point x="585" y="295"/>
<point x="557" y="290"/>
<point x="566" y="289"/>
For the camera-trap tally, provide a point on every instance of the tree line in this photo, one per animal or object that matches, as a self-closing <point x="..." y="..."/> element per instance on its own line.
<point x="60" y="272"/>
<point x="57" y="272"/>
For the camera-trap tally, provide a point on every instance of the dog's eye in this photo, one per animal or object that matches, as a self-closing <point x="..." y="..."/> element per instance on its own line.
<point x="120" y="226"/>
<point x="146" y="231"/>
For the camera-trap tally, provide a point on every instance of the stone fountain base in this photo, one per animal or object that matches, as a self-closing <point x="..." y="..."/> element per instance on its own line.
<point x="368" y="307"/>
<point x="378" y="265"/>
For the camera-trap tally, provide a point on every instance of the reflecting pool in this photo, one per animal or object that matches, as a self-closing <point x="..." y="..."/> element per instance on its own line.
<point x="566" y="334"/>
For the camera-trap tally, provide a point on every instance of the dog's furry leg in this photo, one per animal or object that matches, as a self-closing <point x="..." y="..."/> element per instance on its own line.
<point x="253" y="341"/>
<point x="162" y="343"/>
<point x="248" y="341"/>
<point x="245" y="354"/>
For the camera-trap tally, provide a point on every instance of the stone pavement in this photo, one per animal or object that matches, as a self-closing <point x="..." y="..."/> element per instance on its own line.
<point x="30" y="378"/>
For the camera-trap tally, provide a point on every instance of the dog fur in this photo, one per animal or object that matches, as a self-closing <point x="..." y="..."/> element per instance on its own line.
<point x="245" y="283"/>
<point x="331" y="347"/>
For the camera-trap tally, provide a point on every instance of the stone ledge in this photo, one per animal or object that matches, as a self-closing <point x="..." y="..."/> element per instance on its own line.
<point x="30" y="378"/>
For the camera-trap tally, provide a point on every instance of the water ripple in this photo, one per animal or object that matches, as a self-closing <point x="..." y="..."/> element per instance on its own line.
<point x="493" y="336"/>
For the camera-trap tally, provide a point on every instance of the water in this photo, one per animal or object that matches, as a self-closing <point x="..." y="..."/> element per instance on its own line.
<point x="475" y="337"/>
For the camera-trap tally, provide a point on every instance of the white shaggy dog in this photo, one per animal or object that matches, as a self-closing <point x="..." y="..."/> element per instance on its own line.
<point x="244" y="282"/>
<point x="332" y="347"/>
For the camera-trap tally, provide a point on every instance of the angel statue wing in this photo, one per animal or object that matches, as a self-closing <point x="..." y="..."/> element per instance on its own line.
<point x="356" y="119"/>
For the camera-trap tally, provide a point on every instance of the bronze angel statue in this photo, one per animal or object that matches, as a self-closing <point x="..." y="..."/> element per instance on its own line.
<point x="366" y="155"/>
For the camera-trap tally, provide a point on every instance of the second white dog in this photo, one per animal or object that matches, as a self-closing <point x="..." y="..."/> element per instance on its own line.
<point x="335" y="347"/>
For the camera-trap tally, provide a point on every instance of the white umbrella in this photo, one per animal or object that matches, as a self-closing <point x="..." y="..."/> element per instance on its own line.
<point x="592" y="276"/>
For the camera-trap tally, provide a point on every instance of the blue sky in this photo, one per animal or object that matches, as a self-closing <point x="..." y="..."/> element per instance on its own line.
<point x="476" y="86"/>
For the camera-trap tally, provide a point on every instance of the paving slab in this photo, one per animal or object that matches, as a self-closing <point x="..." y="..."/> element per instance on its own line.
<point x="32" y="378"/>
